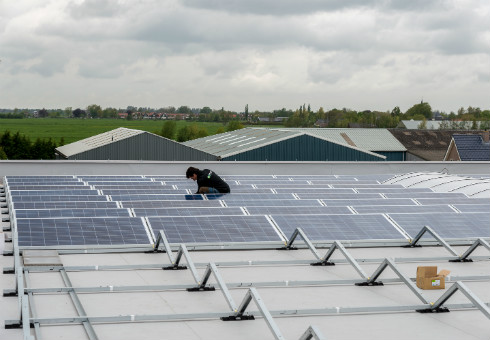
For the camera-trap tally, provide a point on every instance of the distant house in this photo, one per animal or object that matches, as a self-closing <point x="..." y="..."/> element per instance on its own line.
<point x="123" y="115"/>
<point x="427" y="145"/>
<point x="469" y="148"/>
<point x="441" y="125"/>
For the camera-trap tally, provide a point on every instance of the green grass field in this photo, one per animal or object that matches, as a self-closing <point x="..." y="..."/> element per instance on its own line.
<point x="75" y="129"/>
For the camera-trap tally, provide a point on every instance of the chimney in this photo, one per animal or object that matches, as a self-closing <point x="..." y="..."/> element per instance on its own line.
<point x="485" y="136"/>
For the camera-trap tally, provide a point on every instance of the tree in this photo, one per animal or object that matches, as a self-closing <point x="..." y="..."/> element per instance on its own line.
<point x="3" y="155"/>
<point x="43" y="113"/>
<point x="169" y="129"/>
<point x="234" y="125"/>
<point x="94" y="111"/>
<point x="78" y="113"/>
<point x="246" y="112"/>
<point x="423" y="109"/>
<point x="205" y="110"/>
<point x="184" y="110"/>
<point x="423" y="124"/>
<point x="395" y="112"/>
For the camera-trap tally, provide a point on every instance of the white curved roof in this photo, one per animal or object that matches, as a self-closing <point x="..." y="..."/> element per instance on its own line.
<point x="440" y="182"/>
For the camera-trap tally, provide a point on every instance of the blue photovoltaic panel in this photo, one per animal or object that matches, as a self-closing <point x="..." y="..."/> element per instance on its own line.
<point x="343" y="182"/>
<point x="170" y="204"/>
<point x="142" y="212"/>
<point x="205" y="229"/>
<point x="153" y="185"/>
<point x="417" y="195"/>
<point x="248" y="196"/>
<point x="264" y="210"/>
<point x="467" y="208"/>
<point x="148" y="197"/>
<point x="41" y="198"/>
<point x="358" y="202"/>
<point x="242" y="189"/>
<point x="447" y="225"/>
<point x="106" y="182"/>
<point x="273" y="203"/>
<point x="338" y="227"/>
<point x="315" y="191"/>
<point x="384" y="189"/>
<point x="81" y="231"/>
<point x="65" y="205"/>
<point x="366" y="186"/>
<point x="76" y="192"/>
<point x="402" y="209"/>
<point x="292" y="185"/>
<point x="57" y="213"/>
<point x="131" y="192"/>
<point x="453" y="200"/>
<point x="350" y="196"/>
<point x="73" y="186"/>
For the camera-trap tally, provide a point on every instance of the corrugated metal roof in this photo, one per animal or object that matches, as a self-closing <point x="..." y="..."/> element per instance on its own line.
<point x="436" y="124"/>
<point x="234" y="142"/>
<point x="472" y="148"/>
<point x="367" y="139"/>
<point x="97" y="141"/>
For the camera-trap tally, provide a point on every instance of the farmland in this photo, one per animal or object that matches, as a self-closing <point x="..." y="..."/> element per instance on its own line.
<point x="72" y="130"/>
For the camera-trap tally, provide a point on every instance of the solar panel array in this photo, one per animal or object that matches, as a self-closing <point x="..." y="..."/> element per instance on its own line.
<point x="130" y="210"/>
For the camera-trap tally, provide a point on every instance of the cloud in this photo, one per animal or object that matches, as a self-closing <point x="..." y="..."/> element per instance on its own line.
<point x="270" y="54"/>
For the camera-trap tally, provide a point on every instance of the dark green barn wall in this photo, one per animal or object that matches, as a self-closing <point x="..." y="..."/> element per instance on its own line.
<point x="146" y="147"/>
<point x="303" y="148"/>
<point x="393" y="156"/>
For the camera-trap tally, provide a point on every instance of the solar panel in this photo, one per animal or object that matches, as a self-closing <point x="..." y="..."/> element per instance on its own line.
<point x="402" y="209"/>
<point x="169" y="204"/>
<point x="272" y="203"/>
<point x="368" y="202"/>
<point x="264" y="210"/>
<point x="350" y="196"/>
<point x="57" y="213"/>
<point x="446" y="225"/>
<point x="64" y="205"/>
<point x="456" y="199"/>
<point x="418" y="195"/>
<point x="148" y="197"/>
<point x="315" y="190"/>
<point x="205" y="229"/>
<point x="71" y="186"/>
<point x="364" y="186"/>
<point x="41" y="198"/>
<point x="131" y="192"/>
<point x="81" y="191"/>
<point x="383" y="189"/>
<point x="150" y="185"/>
<point x="82" y="231"/>
<point x="467" y="208"/>
<point x="339" y="227"/>
<point x="142" y="212"/>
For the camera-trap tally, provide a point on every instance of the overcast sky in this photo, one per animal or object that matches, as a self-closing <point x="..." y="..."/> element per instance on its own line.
<point x="269" y="54"/>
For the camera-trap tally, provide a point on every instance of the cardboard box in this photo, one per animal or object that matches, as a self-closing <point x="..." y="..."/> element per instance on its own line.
<point x="428" y="278"/>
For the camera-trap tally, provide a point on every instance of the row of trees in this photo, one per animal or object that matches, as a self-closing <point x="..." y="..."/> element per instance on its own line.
<point x="17" y="146"/>
<point x="189" y="132"/>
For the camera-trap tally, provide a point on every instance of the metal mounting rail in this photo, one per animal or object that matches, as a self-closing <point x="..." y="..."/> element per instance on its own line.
<point x="464" y="256"/>
<point x="413" y="242"/>
<point x="436" y="307"/>
<point x="389" y="263"/>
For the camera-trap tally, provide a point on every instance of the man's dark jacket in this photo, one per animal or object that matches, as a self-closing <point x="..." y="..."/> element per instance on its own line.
<point x="207" y="178"/>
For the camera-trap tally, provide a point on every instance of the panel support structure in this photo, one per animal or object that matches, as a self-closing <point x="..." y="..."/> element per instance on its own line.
<point x="312" y="333"/>
<point x="428" y="229"/>
<point x="459" y="285"/>
<point x="389" y="263"/>
<point x="464" y="256"/>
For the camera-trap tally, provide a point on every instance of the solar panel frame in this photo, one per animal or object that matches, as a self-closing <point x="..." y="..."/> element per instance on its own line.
<point x="194" y="211"/>
<point x="170" y="204"/>
<point x="74" y="212"/>
<point x="82" y="232"/>
<point x="215" y="229"/>
<point x="402" y="209"/>
<point x="65" y="205"/>
<point x="339" y="227"/>
<point x="294" y="210"/>
<point x="448" y="226"/>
